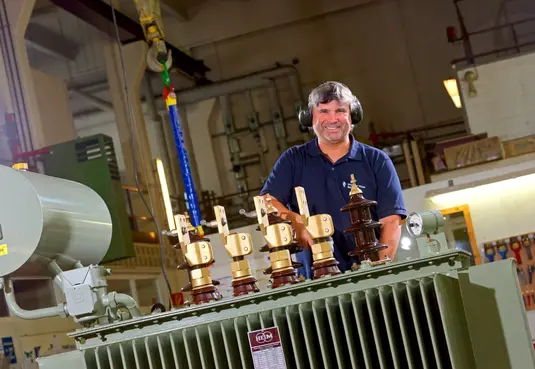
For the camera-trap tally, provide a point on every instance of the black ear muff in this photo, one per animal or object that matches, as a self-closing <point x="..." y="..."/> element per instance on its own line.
<point x="357" y="115"/>
<point x="305" y="116"/>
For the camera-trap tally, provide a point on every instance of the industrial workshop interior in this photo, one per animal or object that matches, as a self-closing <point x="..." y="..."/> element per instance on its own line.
<point x="267" y="184"/>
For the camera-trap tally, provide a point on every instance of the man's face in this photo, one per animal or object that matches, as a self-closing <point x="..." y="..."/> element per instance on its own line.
<point x="332" y="121"/>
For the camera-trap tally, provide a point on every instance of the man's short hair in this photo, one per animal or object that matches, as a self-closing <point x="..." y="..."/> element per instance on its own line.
<point x="330" y="91"/>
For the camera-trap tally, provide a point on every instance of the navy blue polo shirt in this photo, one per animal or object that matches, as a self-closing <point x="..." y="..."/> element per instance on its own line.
<point x="327" y="187"/>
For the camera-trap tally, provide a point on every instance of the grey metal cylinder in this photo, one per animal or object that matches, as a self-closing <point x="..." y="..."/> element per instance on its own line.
<point x="50" y="217"/>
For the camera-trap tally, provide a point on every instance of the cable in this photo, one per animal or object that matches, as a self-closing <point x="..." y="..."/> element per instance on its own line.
<point x="134" y="160"/>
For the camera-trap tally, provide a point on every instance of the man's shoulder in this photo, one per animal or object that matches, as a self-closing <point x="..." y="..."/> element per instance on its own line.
<point x="297" y="151"/>
<point x="373" y="153"/>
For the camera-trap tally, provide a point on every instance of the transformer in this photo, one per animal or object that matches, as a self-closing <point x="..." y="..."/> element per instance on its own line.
<point x="436" y="311"/>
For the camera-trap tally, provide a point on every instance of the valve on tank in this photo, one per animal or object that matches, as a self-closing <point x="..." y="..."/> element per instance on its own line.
<point x="280" y="239"/>
<point x="362" y="225"/>
<point x="238" y="245"/>
<point x="321" y="228"/>
<point x="198" y="255"/>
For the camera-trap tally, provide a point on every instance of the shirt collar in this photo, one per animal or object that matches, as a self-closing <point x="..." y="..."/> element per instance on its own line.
<point x="355" y="152"/>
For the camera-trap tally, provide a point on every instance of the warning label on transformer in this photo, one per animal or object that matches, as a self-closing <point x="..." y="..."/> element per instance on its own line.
<point x="266" y="349"/>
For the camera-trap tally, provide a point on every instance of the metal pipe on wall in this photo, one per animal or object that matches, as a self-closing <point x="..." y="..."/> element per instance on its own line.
<point x="233" y="144"/>
<point x="230" y="86"/>
<point x="223" y="89"/>
<point x="241" y="84"/>
<point x="278" y="118"/>
<point x="254" y="128"/>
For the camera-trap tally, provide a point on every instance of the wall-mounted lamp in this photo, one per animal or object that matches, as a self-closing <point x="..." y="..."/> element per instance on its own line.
<point x="471" y="76"/>
<point x="453" y="91"/>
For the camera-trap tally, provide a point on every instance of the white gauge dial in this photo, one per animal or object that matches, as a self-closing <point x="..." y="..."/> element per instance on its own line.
<point x="415" y="224"/>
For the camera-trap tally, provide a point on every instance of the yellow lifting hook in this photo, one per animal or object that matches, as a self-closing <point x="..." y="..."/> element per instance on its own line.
<point x="151" y="22"/>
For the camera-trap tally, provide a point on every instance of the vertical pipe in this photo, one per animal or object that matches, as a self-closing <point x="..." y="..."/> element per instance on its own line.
<point x="233" y="144"/>
<point x="469" y="52"/>
<point x="254" y="127"/>
<point x="277" y="117"/>
<point x="14" y="80"/>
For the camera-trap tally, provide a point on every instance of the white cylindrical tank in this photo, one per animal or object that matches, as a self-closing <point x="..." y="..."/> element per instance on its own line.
<point x="50" y="217"/>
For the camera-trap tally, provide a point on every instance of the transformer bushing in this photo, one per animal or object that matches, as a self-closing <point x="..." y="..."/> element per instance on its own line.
<point x="362" y="225"/>
<point x="198" y="256"/>
<point x="238" y="245"/>
<point x="321" y="228"/>
<point x="280" y="238"/>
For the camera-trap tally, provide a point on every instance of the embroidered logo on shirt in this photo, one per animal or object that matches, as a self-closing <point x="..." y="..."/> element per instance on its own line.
<point x="348" y="185"/>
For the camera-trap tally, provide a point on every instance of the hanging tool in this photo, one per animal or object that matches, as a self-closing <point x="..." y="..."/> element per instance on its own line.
<point x="502" y="250"/>
<point x="522" y="275"/>
<point x="531" y="269"/>
<point x="515" y="247"/>
<point x="490" y="251"/>
<point x="527" y="240"/>
<point x="160" y="60"/>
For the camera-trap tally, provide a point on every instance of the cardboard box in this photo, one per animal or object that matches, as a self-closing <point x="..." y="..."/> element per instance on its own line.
<point x="438" y="159"/>
<point x="473" y="153"/>
<point x="519" y="146"/>
<point x="440" y="146"/>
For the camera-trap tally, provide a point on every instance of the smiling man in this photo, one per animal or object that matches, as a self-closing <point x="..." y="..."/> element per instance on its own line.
<point x="323" y="167"/>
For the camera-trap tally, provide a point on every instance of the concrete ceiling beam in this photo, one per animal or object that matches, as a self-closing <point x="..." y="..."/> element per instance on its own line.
<point x="49" y="42"/>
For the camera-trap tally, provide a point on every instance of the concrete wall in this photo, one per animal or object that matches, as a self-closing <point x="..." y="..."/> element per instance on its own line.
<point x="503" y="105"/>
<point x="54" y="109"/>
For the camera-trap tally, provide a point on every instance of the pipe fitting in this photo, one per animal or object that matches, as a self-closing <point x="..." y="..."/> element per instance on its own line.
<point x="15" y="309"/>
<point x="116" y="300"/>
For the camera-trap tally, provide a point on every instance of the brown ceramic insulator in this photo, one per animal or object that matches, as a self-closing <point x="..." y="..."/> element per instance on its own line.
<point x="245" y="286"/>
<point x="205" y="294"/>
<point x="283" y="278"/>
<point x="325" y="268"/>
<point x="363" y="227"/>
<point x="293" y="248"/>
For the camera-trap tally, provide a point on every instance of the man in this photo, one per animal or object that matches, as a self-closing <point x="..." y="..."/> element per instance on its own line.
<point x="323" y="167"/>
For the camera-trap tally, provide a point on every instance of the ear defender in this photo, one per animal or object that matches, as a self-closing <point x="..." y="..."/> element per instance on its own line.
<point x="305" y="115"/>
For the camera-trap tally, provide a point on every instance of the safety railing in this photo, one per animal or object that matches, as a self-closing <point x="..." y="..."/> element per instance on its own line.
<point x="498" y="41"/>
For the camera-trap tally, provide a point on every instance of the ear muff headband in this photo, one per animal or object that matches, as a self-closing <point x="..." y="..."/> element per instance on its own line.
<point x="305" y="115"/>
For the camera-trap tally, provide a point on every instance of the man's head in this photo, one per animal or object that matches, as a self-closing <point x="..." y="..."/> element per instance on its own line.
<point x="334" y="109"/>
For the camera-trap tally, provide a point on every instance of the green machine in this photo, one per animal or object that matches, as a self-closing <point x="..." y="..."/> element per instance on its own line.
<point x="92" y="161"/>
